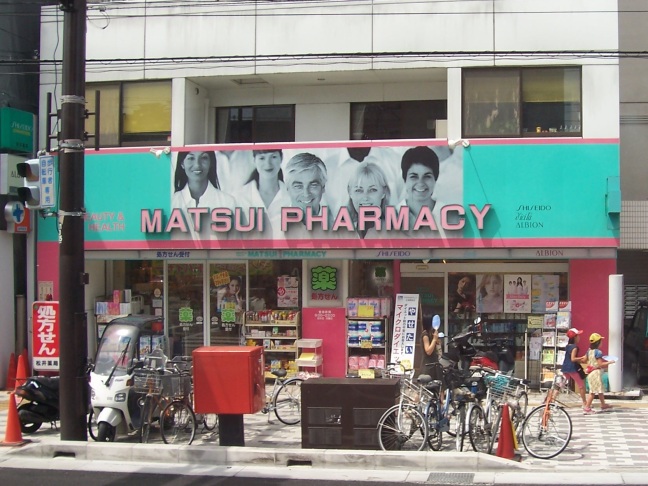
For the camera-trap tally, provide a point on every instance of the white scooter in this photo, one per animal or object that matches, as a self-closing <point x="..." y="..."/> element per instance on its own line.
<point x="115" y="405"/>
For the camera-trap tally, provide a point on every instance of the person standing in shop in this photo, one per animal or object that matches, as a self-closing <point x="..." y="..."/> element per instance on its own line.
<point x="572" y="364"/>
<point x="432" y="351"/>
<point x="595" y="376"/>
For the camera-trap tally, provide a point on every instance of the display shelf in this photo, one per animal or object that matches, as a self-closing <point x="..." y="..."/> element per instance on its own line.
<point x="367" y="343"/>
<point x="310" y="359"/>
<point x="556" y="323"/>
<point x="277" y="332"/>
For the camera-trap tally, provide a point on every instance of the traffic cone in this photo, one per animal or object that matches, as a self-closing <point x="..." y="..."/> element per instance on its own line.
<point x="11" y="373"/>
<point x="505" y="442"/>
<point x="21" y="371"/>
<point x="13" y="434"/>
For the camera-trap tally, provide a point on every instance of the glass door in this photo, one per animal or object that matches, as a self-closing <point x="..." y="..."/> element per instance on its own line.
<point x="227" y="303"/>
<point x="185" y="316"/>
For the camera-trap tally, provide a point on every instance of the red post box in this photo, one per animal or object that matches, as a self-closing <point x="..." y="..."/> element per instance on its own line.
<point x="228" y="379"/>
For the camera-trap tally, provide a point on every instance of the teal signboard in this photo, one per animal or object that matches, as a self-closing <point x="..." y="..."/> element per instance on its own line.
<point x="507" y="195"/>
<point x="16" y="130"/>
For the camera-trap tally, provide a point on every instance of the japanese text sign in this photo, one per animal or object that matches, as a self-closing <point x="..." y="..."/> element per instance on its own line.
<point x="45" y="327"/>
<point x="406" y="312"/>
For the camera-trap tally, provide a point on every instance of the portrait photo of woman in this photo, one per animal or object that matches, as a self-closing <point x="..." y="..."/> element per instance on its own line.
<point x="368" y="187"/>
<point x="490" y="289"/>
<point x="196" y="186"/>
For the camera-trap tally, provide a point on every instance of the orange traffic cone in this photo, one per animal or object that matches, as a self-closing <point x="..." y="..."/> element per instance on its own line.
<point x="11" y="373"/>
<point x="13" y="434"/>
<point x="21" y="371"/>
<point x="505" y="442"/>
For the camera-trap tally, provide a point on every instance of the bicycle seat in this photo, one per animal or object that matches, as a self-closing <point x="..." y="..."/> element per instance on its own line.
<point x="433" y="385"/>
<point x="280" y="373"/>
<point x="424" y="379"/>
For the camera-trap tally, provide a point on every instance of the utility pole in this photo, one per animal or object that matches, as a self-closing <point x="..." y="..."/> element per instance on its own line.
<point x="72" y="277"/>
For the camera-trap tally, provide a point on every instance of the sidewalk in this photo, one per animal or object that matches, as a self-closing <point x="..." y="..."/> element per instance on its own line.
<point x="605" y="443"/>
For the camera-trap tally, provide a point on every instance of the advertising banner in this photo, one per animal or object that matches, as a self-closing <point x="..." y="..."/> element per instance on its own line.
<point x="406" y="314"/>
<point x="45" y="344"/>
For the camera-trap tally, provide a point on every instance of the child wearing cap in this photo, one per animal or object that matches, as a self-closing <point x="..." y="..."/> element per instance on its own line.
<point x="594" y="378"/>
<point x="572" y="362"/>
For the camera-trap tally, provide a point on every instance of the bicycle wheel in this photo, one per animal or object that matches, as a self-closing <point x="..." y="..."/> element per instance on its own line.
<point x="435" y="435"/>
<point x="478" y="430"/>
<point x="287" y="401"/>
<point x="147" y="416"/>
<point x="402" y="428"/>
<point x="210" y="421"/>
<point x="519" y="412"/>
<point x="547" y="436"/>
<point x="495" y="421"/>
<point x="178" y="423"/>
<point x="460" y="427"/>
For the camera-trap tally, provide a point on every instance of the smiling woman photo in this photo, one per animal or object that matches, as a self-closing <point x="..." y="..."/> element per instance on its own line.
<point x="420" y="170"/>
<point x="196" y="186"/>
<point x="368" y="187"/>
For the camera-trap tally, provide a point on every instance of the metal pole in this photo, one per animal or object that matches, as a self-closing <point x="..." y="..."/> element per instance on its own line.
<point x="73" y="330"/>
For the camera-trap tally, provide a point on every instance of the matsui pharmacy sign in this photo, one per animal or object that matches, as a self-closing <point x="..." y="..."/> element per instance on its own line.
<point x="46" y="338"/>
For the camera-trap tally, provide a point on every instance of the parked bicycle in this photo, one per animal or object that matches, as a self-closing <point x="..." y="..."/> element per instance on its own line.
<point x="403" y="427"/>
<point x="165" y="403"/>
<point x="503" y="390"/>
<point x="547" y="430"/>
<point x="284" y="399"/>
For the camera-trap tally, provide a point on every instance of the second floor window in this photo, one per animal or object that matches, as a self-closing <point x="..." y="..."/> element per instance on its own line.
<point x="522" y="102"/>
<point x="255" y="124"/>
<point x="391" y="120"/>
<point x="132" y="113"/>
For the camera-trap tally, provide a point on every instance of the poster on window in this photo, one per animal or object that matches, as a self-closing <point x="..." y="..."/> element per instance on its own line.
<point x="490" y="293"/>
<point x="517" y="293"/>
<point x="544" y="288"/>
<point x="287" y="291"/>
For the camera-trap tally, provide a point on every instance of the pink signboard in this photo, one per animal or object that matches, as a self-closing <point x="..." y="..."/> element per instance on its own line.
<point x="46" y="335"/>
<point x="329" y="325"/>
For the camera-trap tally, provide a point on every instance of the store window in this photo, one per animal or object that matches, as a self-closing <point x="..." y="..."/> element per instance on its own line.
<point x="131" y="113"/>
<point x="185" y="317"/>
<point x="522" y="102"/>
<point x="396" y="119"/>
<point x="255" y="124"/>
<point x="227" y="302"/>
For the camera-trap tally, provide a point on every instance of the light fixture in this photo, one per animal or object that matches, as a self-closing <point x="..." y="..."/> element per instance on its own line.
<point x="461" y="141"/>
<point x="443" y="261"/>
<point x="157" y="152"/>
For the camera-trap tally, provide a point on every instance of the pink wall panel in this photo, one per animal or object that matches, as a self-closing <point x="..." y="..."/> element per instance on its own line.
<point x="329" y="325"/>
<point x="589" y="294"/>
<point x="48" y="265"/>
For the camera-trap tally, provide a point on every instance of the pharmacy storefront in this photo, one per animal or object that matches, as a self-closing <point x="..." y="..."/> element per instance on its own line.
<point x="215" y="238"/>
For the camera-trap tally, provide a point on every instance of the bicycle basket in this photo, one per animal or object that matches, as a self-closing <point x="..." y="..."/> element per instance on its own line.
<point x="176" y="384"/>
<point x="410" y="391"/>
<point x="501" y="386"/>
<point x="147" y="381"/>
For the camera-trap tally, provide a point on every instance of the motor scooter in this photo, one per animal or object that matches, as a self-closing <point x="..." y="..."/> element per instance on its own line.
<point x="115" y="405"/>
<point x="41" y="396"/>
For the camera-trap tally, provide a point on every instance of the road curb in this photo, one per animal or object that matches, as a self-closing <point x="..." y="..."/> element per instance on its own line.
<point x="258" y="456"/>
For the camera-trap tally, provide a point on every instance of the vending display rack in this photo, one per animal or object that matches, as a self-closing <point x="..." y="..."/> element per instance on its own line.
<point x="310" y="361"/>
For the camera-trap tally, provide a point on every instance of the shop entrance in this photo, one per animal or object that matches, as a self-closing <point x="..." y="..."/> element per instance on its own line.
<point x="431" y="290"/>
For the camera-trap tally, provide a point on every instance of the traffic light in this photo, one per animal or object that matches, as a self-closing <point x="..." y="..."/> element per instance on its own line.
<point x="30" y="193"/>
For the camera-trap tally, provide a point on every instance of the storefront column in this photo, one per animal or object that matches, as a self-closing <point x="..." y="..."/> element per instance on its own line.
<point x="589" y="294"/>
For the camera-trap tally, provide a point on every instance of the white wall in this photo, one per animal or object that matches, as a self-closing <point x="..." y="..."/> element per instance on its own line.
<point x="7" y="322"/>
<point x="322" y="122"/>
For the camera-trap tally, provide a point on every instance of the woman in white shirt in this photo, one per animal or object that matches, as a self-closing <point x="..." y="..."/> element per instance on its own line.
<point x="196" y="186"/>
